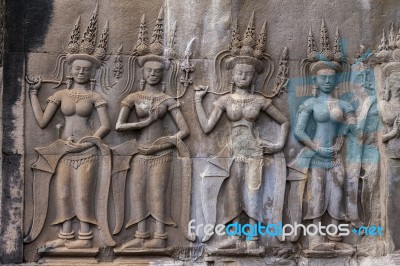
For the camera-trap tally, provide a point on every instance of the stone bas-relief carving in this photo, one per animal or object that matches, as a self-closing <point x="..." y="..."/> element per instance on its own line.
<point x="318" y="174"/>
<point x="150" y="156"/>
<point x="72" y="160"/>
<point x="237" y="171"/>
<point x="145" y="115"/>
<point x="387" y="72"/>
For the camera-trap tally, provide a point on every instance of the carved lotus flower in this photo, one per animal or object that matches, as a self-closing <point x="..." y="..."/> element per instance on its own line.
<point x="326" y="55"/>
<point x="73" y="48"/>
<point x="156" y="48"/>
<point x="247" y="51"/>
<point x="86" y="47"/>
<point x="142" y="49"/>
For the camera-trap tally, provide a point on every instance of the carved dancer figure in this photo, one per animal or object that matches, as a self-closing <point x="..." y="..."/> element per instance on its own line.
<point x="73" y="159"/>
<point x="362" y="163"/>
<point x="237" y="171"/>
<point x="319" y="167"/>
<point x="390" y="116"/>
<point x="151" y="158"/>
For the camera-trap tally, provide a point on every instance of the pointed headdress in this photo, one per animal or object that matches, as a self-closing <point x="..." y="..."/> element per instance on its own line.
<point x="326" y="58"/>
<point x="248" y="51"/>
<point x="155" y="50"/>
<point x="86" y="47"/>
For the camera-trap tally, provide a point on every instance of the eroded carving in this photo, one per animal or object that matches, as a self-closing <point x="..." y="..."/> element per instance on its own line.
<point x="318" y="174"/>
<point x="387" y="72"/>
<point x="151" y="156"/>
<point x="73" y="159"/>
<point x="237" y="171"/>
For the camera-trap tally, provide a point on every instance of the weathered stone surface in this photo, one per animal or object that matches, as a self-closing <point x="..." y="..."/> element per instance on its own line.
<point x="199" y="132"/>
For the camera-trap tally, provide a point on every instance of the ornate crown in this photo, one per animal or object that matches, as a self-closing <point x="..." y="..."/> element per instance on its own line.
<point x="326" y="58"/>
<point x="155" y="50"/>
<point x="86" y="48"/>
<point x="248" y="51"/>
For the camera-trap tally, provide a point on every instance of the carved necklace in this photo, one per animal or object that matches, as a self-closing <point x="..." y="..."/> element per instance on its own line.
<point x="150" y="101"/>
<point x="242" y="102"/>
<point x="78" y="95"/>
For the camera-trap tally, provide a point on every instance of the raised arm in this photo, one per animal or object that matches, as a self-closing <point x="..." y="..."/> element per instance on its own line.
<point x="42" y="117"/>
<point x="207" y="124"/>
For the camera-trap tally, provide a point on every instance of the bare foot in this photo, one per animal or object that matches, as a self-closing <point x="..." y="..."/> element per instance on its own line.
<point x="287" y="250"/>
<point x="155" y="243"/>
<point x="252" y="244"/>
<point x="55" y="243"/>
<point x="80" y="243"/>
<point x="134" y="243"/>
<point x="231" y="242"/>
<point x="324" y="247"/>
<point x="335" y="238"/>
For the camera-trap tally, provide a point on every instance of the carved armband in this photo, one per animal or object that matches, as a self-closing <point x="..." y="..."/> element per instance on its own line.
<point x="101" y="103"/>
<point x="52" y="99"/>
<point x="127" y="104"/>
<point x="304" y="108"/>
<point x="174" y="106"/>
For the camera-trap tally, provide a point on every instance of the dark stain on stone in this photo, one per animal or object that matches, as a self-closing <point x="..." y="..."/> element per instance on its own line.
<point x="38" y="14"/>
<point x="26" y="27"/>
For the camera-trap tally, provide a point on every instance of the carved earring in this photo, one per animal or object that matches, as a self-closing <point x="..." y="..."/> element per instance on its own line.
<point x="69" y="82"/>
<point x="92" y="84"/>
<point x="141" y="84"/>
<point x="253" y="88"/>
<point x="163" y="86"/>
<point x="231" y="86"/>
<point x="315" y="91"/>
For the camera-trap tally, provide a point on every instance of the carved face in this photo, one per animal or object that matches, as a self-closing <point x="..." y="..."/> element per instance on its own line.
<point x="153" y="72"/>
<point x="325" y="79"/>
<point x="81" y="71"/>
<point x="243" y="75"/>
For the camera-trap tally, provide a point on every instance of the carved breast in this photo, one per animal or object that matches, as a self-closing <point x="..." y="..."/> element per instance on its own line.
<point x="330" y="111"/>
<point x="146" y="102"/>
<point x="80" y="104"/>
<point x="243" y="108"/>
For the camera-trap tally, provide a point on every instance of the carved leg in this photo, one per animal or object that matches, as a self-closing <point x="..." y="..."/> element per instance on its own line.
<point x="317" y="242"/>
<point x="335" y="238"/>
<point x="253" y="243"/>
<point x="65" y="233"/>
<point x="84" y="240"/>
<point x="231" y="241"/>
<point x="140" y="236"/>
<point x="160" y="237"/>
<point x="295" y="205"/>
